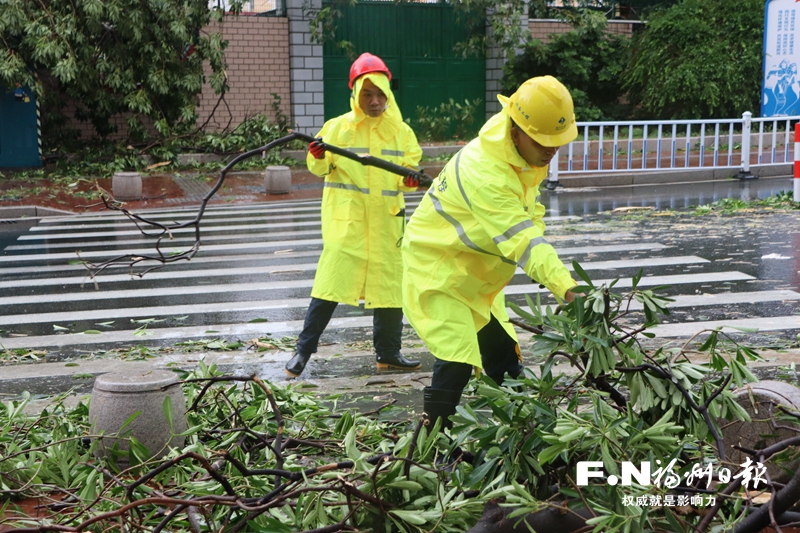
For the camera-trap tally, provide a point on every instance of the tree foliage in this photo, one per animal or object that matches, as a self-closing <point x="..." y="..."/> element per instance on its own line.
<point x="587" y="60"/>
<point x="698" y="59"/>
<point x="140" y="58"/>
<point x="263" y="458"/>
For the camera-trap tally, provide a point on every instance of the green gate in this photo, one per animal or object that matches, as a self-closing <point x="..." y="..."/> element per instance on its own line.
<point x="416" y="41"/>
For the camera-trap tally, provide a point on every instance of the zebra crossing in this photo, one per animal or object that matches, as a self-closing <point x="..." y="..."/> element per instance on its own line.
<point x="253" y="276"/>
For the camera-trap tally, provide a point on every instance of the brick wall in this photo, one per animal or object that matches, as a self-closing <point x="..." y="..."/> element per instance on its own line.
<point x="258" y="65"/>
<point x="542" y="28"/>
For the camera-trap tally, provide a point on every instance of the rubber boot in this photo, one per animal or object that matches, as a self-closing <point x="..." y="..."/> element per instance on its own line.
<point x="396" y="361"/>
<point x="297" y="364"/>
<point x="440" y="404"/>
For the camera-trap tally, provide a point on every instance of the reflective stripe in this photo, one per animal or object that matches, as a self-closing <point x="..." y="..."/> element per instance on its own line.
<point x="347" y="186"/>
<point x="390" y="193"/>
<point x="516" y="228"/>
<point x="458" y="180"/>
<point x="527" y="255"/>
<point x="460" y="230"/>
<point x="396" y="153"/>
<point x="359" y="150"/>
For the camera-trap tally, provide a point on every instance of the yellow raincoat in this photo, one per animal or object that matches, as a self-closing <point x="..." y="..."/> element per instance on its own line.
<point x="478" y="222"/>
<point x="363" y="210"/>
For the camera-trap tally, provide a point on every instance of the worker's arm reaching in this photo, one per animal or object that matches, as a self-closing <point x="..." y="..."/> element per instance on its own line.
<point x="520" y="238"/>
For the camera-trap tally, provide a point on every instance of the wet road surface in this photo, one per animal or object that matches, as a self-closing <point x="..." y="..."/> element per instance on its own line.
<point x="253" y="275"/>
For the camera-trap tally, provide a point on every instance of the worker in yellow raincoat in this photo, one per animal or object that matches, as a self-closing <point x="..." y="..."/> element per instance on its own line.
<point x="363" y="216"/>
<point x="478" y="222"/>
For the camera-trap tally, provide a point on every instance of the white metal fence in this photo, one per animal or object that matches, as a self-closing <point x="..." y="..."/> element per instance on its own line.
<point x="648" y="146"/>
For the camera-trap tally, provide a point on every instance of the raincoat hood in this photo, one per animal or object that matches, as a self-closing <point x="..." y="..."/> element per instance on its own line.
<point x="389" y="122"/>
<point x="495" y="138"/>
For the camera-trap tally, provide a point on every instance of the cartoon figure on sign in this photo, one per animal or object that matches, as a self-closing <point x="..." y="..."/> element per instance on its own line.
<point x="781" y="98"/>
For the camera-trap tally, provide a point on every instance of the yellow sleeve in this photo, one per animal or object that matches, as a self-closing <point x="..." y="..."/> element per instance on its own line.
<point x="519" y="237"/>
<point x="538" y="215"/>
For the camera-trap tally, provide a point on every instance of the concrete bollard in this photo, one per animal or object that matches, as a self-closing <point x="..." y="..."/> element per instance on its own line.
<point x="757" y="399"/>
<point x="118" y="396"/>
<point x="278" y="180"/>
<point x="126" y="186"/>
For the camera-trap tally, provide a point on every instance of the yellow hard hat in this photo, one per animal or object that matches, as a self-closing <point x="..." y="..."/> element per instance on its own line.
<point x="542" y="108"/>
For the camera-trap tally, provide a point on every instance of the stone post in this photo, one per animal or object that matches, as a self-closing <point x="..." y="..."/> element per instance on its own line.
<point x="278" y="180"/>
<point x="116" y="397"/>
<point x="126" y="186"/>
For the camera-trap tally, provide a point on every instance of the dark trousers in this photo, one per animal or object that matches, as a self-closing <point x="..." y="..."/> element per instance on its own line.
<point x="499" y="354"/>
<point x="387" y="327"/>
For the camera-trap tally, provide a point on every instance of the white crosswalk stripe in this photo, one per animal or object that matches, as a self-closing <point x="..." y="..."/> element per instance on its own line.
<point x="268" y="274"/>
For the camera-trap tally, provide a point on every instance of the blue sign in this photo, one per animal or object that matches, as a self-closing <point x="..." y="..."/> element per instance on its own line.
<point x="780" y="90"/>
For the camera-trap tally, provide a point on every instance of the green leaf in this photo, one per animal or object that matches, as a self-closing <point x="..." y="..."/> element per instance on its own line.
<point x="674" y="524"/>
<point x="742" y="329"/>
<point x="404" y="484"/>
<point x="167" y="406"/>
<point x="636" y="278"/>
<point x="582" y="274"/>
<point x="551" y="452"/>
<point x="128" y="421"/>
<point x="481" y="472"/>
<point x="412" y="517"/>
<point x="350" y="445"/>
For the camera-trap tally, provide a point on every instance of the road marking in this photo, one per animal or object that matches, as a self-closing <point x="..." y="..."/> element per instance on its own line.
<point x="163" y="292"/>
<point x="302" y="303"/>
<point x="204" y="229"/>
<point x="278" y="269"/>
<point x="677" y="279"/>
<point x="159" y="311"/>
<point x="286" y="245"/>
<point x="268" y="236"/>
<point x="687" y="329"/>
<point x="244" y="332"/>
<point x="198" y="259"/>
<point x="708" y="300"/>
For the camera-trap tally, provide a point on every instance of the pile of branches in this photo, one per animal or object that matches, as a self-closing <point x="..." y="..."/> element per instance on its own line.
<point x="257" y="458"/>
<point x="260" y="457"/>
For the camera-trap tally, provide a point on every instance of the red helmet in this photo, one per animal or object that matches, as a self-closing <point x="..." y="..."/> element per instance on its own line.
<point x="365" y="63"/>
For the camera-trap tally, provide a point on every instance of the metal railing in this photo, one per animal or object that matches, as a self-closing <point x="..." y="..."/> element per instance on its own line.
<point x="652" y="146"/>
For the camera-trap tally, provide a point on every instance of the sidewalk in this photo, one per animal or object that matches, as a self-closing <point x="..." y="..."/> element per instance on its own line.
<point x="183" y="189"/>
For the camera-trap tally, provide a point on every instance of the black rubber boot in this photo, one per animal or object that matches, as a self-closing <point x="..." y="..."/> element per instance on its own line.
<point x="396" y="361"/>
<point x="297" y="364"/>
<point x="440" y="403"/>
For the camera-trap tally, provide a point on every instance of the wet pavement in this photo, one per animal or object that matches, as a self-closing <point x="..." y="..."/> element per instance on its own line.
<point x="591" y="200"/>
<point x="253" y="275"/>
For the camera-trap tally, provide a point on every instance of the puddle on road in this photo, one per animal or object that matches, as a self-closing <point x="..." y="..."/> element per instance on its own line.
<point x="589" y="201"/>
